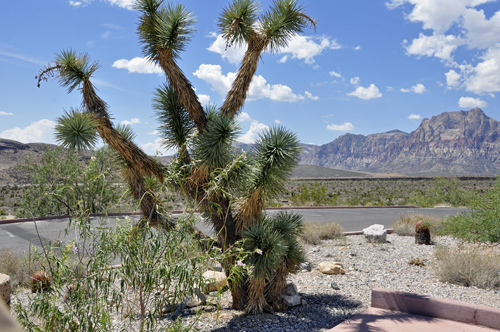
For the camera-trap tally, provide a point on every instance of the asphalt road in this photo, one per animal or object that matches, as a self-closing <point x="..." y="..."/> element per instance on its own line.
<point x="18" y="236"/>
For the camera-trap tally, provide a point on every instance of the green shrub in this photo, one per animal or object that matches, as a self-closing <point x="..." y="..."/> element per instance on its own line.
<point x="479" y="267"/>
<point x="61" y="178"/>
<point x="479" y="224"/>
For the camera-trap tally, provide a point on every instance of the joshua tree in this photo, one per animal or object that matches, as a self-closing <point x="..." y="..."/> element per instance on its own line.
<point x="164" y="32"/>
<point x="74" y="70"/>
<point x="229" y="186"/>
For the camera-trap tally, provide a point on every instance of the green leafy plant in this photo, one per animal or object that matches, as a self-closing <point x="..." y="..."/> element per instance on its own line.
<point x="61" y="178"/>
<point x="481" y="223"/>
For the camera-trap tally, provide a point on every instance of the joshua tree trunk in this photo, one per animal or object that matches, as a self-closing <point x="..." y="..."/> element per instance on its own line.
<point x="183" y="89"/>
<point x="236" y="96"/>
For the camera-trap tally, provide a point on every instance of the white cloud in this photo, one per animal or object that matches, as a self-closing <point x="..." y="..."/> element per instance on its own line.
<point x="452" y="79"/>
<point x="306" y="48"/>
<point x="259" y="88"/>
<point x="233" y="54"/>
<point x="366" y="93"/>
<point x="105" y="35"/>
<point x="243" y="116"/>
<point x="204" y="99"/>
<point x="355" y="80"/>
<point x="5" y="113"/>
<point x="346" y="126"/>
<point x="309" y="95"/>
<point x="277" y="121"/>
<point x="417" y="88"/>
<point x="332" y="73"/>
<point x="75" y="3"/>
<point x="40" y="131"/>
<point x="357" y="48"/>
<point x="457" y="23"/>
<point x="471" y="102"/>
<point x="389" y="88"/>
<point x="485" y="77"/>
<point x="414" y="117"/>
<point x="440" y="46"/>
<point x="131" y="122"/>
<point x="155" y="132"/>
<point x="299" y="47"/>
<point x="138" y="65"/>
<point x="256" y="128"/>
<point x="22" y="57"/>
<point x="127" y="4"/>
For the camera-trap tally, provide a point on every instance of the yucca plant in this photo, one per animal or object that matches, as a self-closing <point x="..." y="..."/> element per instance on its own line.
<point x="229" y="186"/>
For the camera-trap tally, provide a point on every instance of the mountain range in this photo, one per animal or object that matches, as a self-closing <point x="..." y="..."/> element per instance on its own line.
<point x="452" y="143"/>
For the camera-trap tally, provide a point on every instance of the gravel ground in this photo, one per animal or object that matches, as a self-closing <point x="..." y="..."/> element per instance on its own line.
<point x="367" y="266"/>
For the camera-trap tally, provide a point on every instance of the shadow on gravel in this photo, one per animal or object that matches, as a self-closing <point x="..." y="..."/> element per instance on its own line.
<point x="323" y="311"/>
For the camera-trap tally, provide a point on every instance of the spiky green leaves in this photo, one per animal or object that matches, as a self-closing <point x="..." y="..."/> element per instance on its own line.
<point x="273" y="241"/>
<point x="282" y="21"/>
<point x="76" y="130"/>
<point x="215" y="146"/>
<point x="276" y="152"/>
<point x="267" y="248"/>
<point x="175" y="124"/>
<point x="71" y="68"/>
<point x="236" y="23"/>
<point x="164" y="27"/>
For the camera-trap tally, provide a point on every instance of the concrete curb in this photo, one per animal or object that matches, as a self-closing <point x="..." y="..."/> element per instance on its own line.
<point x="10" y="221"/>
<point x="423" y="305"/>
<point x="389" y="231"/>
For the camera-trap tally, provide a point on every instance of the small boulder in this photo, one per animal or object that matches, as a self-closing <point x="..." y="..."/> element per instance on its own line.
<point x="214" y="281"/>
<point x="331" y="268"/>
<point x="290" y="290"/>
<point x="194" y="301"/>
<point x="292" y="301"/>
<point x="305" y="266"/>
<point x="334" y="285"/>
<point x="40" y="282"/>
<point x="375" y="234"/>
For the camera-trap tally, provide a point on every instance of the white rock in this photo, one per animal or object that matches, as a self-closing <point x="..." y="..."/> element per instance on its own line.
<point x="375" y="233"/>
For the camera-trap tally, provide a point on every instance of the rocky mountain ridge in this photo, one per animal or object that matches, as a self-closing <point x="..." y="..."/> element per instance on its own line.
<point x="452" y="143"/>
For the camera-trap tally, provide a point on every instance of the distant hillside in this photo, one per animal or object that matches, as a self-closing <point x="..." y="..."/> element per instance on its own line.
<point x="452" y="143"/>
<point x="12" y="153"/>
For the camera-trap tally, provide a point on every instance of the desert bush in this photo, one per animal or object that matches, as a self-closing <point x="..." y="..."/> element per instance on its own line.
<point x="481" y="223"/>
<point x="61" y="178"/>
<point x="405" y="225"/>
<point x="476" y="266"/>
<point x="315" y="194"/>
<point x="315" y="233"/>
<point x="18" y="269"/>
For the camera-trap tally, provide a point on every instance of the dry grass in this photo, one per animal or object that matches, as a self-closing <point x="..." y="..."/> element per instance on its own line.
<point x="314" y="233"/>
<point x="473" y="266"/>
<point x="405" y="225"/>
<point x="19" y="270"/>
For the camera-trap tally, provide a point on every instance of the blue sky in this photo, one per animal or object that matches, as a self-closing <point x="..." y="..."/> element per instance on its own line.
<point x="370" y="66"/>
